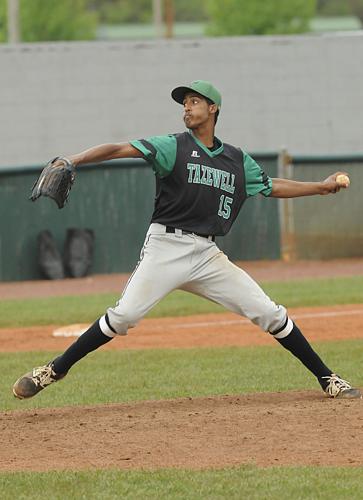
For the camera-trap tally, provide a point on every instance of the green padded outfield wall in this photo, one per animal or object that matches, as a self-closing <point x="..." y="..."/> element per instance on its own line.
<point x="329" y="226"/>
<point x="115" y="200"/>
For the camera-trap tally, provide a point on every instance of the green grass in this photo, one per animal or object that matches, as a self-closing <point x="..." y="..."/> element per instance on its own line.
<point x="247" y="482"/>
<point x="122" y="376"/>
<point x="84" y="309"/>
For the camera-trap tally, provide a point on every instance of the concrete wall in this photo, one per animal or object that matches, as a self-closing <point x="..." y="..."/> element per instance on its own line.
<point x="302" y="92"/>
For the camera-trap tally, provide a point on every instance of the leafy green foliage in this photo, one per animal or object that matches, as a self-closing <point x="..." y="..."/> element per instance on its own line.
<point x="55" y="20"/>
<point x="140" y="11"/>
<point x="52" y="20"/>
<point x="340" y="8"/>
<point x="190" y="10"/>
<point x="3" y="21"/>
<point x="122" y="11"/>
<point x="333" y="8"/>
<point x="357" y="8"/>
<point x="248" y="17"/>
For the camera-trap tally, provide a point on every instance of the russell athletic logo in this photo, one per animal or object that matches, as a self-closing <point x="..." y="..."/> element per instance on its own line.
<point x="195" y="154"/>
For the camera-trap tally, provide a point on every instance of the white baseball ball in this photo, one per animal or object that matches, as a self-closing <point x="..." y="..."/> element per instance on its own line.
<point x="343" y="180"/>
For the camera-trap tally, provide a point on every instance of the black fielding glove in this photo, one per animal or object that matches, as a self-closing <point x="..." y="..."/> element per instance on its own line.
<point x="55" y="181"/>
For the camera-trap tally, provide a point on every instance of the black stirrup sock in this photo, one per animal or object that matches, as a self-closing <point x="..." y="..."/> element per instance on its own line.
<point x="87" y="342"/>
<point x="296" y="343"/>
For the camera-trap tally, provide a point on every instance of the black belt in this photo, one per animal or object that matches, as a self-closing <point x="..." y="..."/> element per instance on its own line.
<point x="170" y="229"/>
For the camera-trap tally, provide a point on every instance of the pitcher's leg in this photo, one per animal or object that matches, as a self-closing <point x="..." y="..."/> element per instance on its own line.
<point x="164" y="265"/>
<point x="89" y="341"/>
<point x="227" y="284"/>
<point x="147" y="285"/>
<point x="332" y="384"/>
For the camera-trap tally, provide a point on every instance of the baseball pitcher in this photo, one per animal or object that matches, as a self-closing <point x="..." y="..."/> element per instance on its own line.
<point x="201" y="185"/>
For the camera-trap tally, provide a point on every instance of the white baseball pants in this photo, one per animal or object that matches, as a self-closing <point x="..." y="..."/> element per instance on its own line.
<point x="193" y="263"/>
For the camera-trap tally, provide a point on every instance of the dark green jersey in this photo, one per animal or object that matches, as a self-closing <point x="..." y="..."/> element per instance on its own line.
<point x="197" y="189"/>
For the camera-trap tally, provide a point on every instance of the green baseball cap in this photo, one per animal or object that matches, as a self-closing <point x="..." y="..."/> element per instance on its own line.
<point x="201" y="87"/>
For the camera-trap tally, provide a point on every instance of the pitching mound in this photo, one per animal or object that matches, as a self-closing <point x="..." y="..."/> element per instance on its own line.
<point x="292" y="428"/>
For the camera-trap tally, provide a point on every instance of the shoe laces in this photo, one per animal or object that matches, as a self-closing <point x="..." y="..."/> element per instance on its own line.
<point x="43" y="376"/>
<point x="336" y="385"/>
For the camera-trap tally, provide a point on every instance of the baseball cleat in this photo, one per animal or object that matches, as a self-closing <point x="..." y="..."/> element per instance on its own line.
<point x="33" y="382"/>
<point x="339" y="388"/>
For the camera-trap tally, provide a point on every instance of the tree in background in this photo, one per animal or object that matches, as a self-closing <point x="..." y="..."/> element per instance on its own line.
<point x="3" y="20"/>
<point x="341" y="8"/>
<point x="140" y="11"/>
<point x="56" y="20"/>
<point x="43" y="20"/>
<point x="122" y="11"/>
<point x="357" y="8"/>
<point x="190" y="10"/>
<point x="251" y="17"/>
<point x="47" y="20"/>
<point x="328" y="8"/>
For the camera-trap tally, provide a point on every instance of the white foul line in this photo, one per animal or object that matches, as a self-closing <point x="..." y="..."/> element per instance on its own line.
<point x="63" y="332"/>
<point x="327" y="314"/>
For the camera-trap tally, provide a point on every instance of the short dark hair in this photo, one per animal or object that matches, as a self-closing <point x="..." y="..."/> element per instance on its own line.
<point x="217" y="112"/>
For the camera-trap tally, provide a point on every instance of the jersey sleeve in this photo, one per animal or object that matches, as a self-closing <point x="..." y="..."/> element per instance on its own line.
<point x="160" y="151"/>
<point x="256" y="179"/>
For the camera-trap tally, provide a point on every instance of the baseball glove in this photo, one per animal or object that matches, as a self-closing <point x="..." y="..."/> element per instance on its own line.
<point x="55" y="181"/>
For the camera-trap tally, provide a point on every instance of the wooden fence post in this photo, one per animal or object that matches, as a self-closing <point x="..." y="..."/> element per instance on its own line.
<point x="286" y="211"/>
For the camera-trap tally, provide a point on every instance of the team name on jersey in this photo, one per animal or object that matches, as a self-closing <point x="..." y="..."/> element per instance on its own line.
<point x="202" y="174"/>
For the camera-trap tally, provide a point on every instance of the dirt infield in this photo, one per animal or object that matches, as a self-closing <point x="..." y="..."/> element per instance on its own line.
<point x="299" y="428"/>
<point x="292" y="428"/>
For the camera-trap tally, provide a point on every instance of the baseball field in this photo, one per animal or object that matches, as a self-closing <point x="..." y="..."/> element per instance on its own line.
<point x="194" y="403"/>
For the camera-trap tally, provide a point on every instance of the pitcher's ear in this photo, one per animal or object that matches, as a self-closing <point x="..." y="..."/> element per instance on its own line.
<point x="213" y="108"/>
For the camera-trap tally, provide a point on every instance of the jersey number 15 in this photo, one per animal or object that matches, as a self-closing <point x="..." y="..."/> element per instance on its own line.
<point x="225" y="206"/>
